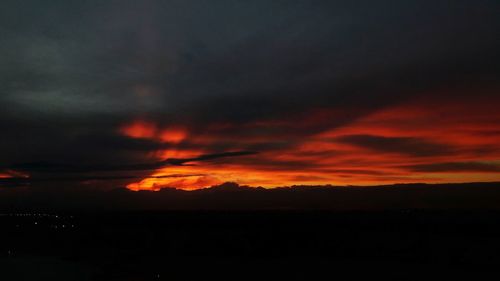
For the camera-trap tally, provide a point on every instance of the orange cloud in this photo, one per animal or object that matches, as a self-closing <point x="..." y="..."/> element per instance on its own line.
<point x="187" y="183"/>
<point x="149" y="130"/>
<point x="139" y="129"/>
<point x="173" y="135"/>
<point x="420" y="141"/>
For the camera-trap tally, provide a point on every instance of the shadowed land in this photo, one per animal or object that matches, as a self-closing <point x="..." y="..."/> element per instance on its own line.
<point x="230" y="196"/>
<point x="246" y="245"/>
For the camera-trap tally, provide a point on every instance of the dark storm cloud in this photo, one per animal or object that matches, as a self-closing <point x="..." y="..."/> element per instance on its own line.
<point x="45" y="172"/>
<point x="72" y="72"/>
<point x="403" y="145"/>
<point x="241" y="60"/>
<point x="56" y="168"/>
<point x="21" y="181"/>
<point x="208" y="157"/>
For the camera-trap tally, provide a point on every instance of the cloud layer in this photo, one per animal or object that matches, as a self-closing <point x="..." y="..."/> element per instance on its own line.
<point x="324" y="91"/>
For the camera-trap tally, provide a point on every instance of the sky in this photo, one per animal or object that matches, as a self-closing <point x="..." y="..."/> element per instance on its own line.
<point x="188" y="94"/>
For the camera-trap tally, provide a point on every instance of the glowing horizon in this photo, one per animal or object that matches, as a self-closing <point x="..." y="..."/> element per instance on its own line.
<point x="380" y="148"/>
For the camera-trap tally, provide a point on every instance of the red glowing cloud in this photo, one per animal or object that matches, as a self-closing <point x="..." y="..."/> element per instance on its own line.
<point x="149" y="130"/>
<point x="173" y="135"/>
<point x="428" y="140"/>
<point x="139" y="129"/>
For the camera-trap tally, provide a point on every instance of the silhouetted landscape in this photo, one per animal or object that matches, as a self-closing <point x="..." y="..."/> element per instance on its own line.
<point x="410" y="245"/>
<point x="231" y="196"/>
<point x="230" y="232"/>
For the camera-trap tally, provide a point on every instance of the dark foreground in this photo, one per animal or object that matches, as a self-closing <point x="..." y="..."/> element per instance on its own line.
<point x="400" y="245"/>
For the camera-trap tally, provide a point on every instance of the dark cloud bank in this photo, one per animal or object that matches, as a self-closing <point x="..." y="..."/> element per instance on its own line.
<point x="73" y="71"/>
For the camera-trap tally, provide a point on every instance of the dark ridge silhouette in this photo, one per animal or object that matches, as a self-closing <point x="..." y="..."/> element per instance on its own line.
<point x="231" y="196"/>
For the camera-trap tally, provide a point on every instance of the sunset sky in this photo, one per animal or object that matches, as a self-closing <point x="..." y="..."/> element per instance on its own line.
<point x="189" y="94"/>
